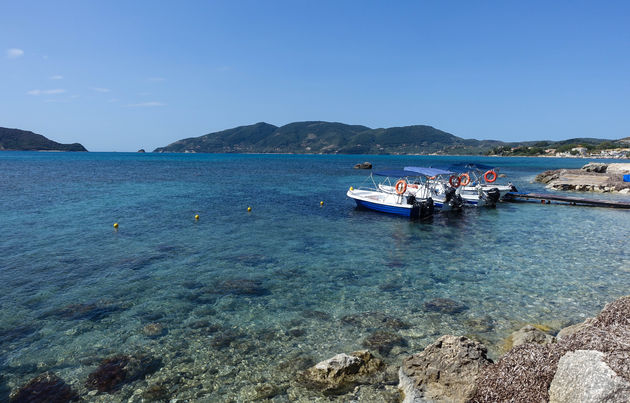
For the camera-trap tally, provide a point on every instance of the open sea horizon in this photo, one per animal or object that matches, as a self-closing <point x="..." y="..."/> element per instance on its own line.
<point x="234" y="300"/>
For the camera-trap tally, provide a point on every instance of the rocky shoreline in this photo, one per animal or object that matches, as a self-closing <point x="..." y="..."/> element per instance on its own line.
<point x="592" y="177"/>
<point x="589" y="361"/>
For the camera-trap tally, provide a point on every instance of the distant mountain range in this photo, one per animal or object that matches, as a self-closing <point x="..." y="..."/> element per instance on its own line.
<point x="21" y="140"/>
<point x="330" y="138"/>
<point x="338" y="138"/>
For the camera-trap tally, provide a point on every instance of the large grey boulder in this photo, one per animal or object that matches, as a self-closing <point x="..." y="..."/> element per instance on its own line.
<point x="342" y="372"/>
<point x="583" y="376"/>
<point x="595" y="167"/>
<point x="446" y="371"/>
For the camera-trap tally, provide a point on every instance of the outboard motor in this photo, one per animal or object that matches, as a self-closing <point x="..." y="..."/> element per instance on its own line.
<point x="422" y="209"/>
<point x="449" y="194"/>
<point x="493" y="196"/>
<point x="453" y="199"/>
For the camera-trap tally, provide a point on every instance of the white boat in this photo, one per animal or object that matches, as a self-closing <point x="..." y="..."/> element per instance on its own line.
<point x="393" y="199"/>
<point x="479" y="188"/>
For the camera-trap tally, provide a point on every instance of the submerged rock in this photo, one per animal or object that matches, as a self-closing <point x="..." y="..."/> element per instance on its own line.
<point x="46" y="388"/>
<point x="528" y="334"/>
<point x="85" y="311"/>
<point x="482" y="324"/>
<point x="311" y="314"/>
<point x="583" y="376"/>
<point x="118" y="370"/>
<point x="156" y="393"/>
<point x="444" y="305"/>
<point x="374" y="320"/>
<point x="446" y="371"/>
<point x="224" y="339"/>
<point x="383" y="341"/>
<point x="342" y="372"/>
<point x="246" y="287"/>
<point x="154" y="330"/>
<point x="9" y="335"/>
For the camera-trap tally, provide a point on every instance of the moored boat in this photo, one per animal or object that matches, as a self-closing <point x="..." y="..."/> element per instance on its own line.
<point x="394" y="199"/>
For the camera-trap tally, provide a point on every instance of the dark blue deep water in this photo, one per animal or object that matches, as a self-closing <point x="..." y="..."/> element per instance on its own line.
<point x="240" y="299"/>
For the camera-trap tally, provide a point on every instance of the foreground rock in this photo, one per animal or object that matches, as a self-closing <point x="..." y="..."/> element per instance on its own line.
<point x="342" y="372"/>
<point x="445" y="371"/>
<point x="525" y="374"/>
<point x="584" y="376"/>
<point x="119" y="370"/>
<point x="593" y="177"/>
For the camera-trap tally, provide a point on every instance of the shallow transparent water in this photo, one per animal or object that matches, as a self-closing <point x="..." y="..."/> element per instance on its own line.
<point x="248" y="298"/>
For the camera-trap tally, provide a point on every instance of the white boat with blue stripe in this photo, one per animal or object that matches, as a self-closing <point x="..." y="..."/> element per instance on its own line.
<point x="408" y="196"/>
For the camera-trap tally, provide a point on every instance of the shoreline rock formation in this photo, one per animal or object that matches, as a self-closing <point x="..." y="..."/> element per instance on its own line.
<point x="592" y="177"/>
<point x="585" y="362"/>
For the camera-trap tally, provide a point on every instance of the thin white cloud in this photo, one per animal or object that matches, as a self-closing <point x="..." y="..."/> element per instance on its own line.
<point x="56" y="77"/>
<point x="97" y="89"/>
<point x="56" y="101"/>
<point x="146" y="104"/>
<point x="156" y="79"/>
<point x="47" y="92"/>
<point x="113" y="100"/>
<point x="14" y="53"/>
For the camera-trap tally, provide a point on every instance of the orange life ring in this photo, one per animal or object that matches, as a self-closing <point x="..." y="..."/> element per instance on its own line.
<point x="454" y="181"/>
<point x="464" y="179"/>
<point x="490" y="174"/>
<point x="401" y="186"/>
<point x="431" y="177"/>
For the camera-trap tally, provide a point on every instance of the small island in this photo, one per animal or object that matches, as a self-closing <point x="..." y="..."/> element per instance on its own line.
<point x="22" y="140"/>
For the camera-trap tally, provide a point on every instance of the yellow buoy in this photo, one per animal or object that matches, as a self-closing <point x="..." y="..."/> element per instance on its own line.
<point x="116" y="225"/>
<point x="351" y="188"/>
<point x="249" y="209"/>
<point x="321" y="203"/>
<point x="196" y="216"/>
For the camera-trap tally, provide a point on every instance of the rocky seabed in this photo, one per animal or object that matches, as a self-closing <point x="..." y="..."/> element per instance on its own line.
<point x="585" y="362"/>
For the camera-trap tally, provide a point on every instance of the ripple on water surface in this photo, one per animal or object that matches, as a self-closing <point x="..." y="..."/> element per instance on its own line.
<point x="231" y="306"/>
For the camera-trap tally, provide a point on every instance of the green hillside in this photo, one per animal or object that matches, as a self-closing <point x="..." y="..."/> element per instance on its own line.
<point x="21" y="140"/>
<point x="330" y="138"/>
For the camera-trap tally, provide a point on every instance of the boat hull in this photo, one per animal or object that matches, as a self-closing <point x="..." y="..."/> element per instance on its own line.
<point x="392" y="204"/>
<point x="383" y="208"/>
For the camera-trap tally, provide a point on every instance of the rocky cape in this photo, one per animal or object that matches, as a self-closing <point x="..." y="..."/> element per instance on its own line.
<point x="22" y="140"/>
<point x="592" y="177"/>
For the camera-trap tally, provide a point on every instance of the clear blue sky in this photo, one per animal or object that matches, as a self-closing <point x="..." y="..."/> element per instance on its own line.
<point x="124" y="75"/>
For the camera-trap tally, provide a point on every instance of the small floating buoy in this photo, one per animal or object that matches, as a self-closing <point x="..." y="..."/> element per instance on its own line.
<point x="249" y="209"/>
<point x="116" y="225"/>
<point x="351" y="188"/>
<point x="542" y="201"/>
<point x="321" y="203"/>
<point x="196" y="216"/>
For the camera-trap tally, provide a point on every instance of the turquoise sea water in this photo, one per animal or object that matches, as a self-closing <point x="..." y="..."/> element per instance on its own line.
<point x="247" y="299"/>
